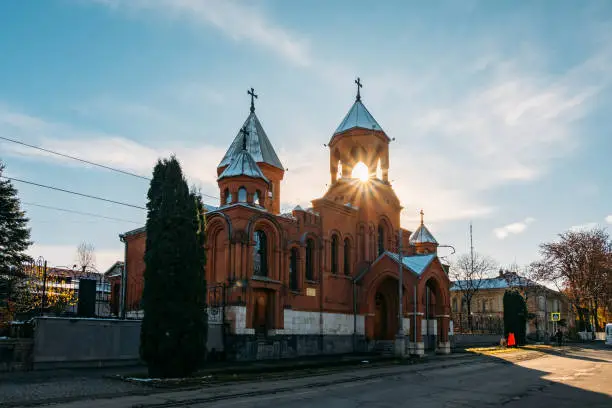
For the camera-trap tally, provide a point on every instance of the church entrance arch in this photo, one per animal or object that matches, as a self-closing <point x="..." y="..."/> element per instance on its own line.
<point x="386" y="310"/>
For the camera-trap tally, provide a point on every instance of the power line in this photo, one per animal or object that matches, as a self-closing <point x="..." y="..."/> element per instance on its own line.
<point x="80" y="212"/>
<point x="76" y="158"/>
<point x="74" y="192"/>
<point x="88" y="162"/>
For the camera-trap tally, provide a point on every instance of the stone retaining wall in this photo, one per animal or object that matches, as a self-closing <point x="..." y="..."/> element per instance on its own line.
<point x="15" y="354"/>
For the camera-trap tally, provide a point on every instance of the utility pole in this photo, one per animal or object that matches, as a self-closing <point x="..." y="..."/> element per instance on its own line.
<point x="400" y="347"/>
<point x="401" y="284"/>
<point x="471" y="250"/>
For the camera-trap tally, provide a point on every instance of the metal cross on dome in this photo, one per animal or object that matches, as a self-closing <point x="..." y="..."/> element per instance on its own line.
<point x="358" y="82"/>
<point x="253" y="97"/>
<point x="422" y="214"/>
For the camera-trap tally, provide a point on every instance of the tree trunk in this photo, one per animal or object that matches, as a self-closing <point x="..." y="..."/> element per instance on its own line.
<point x="595" y="316"/>
<point x="469" y="312"/>
<point x="581" y="322"/>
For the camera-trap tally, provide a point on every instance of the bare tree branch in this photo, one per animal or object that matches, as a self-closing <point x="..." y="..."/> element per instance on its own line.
<point x="85" y="256"/>
<point x="468" y="274"/>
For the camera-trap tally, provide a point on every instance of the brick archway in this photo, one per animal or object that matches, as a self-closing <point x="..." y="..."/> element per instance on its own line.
<point x="382" y="307"/>
<point x="385" y="322"/>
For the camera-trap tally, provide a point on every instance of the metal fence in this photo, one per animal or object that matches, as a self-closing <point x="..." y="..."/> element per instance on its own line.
<point x="35" y="289"/>
<point x="478" y="323"/>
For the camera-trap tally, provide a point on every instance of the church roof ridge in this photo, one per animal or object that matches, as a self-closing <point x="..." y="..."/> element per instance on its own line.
<point x="422" y="235"/>
<point x="243" y="164"/>
<point x="258" y="144"/>
<point x="358" y="117"/>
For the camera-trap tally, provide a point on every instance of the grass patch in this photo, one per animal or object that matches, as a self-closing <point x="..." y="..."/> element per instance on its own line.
<point x="494" y="350"/>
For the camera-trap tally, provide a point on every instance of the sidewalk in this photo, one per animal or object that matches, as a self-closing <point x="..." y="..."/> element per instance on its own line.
<point x="34" y="388"/>
<point x="129" y="395"/>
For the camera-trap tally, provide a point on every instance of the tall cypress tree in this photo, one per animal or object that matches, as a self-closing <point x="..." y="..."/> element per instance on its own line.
<point x="173" y="334"/>
<point x="515" y="315"/>
<point x="14" y="231"/>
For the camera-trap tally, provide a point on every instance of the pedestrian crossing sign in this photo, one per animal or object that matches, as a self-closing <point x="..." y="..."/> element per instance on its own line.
<point x="555" y="316"/>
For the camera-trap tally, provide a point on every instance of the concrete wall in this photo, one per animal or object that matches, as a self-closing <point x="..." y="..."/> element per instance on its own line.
<point x="474" y="340"/>
<point x="74" y="342"/>
<point x="78" y="342"/>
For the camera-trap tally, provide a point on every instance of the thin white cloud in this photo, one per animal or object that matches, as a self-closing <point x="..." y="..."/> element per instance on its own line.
<point x="513" y="228"/>
<point x="453" y="148"/>
<point x="583" y="227"/>
<point x="609" y="219"/>
<point x="199" y="162"/>
<point x="238" y="20"/>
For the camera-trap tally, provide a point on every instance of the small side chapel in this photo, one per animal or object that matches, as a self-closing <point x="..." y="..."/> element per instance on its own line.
<point x="323" y="279"/>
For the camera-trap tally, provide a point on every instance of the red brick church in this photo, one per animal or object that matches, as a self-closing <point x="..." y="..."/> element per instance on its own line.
<point x="322" y="279"/>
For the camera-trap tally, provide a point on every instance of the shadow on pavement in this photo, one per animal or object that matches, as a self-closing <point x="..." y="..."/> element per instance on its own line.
<point x="568" y="352"/>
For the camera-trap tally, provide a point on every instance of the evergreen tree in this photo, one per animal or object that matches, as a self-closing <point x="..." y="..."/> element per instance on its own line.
<point x="515" y="316"/>
<point x="173" y="335"/>
<point x="14" y="240"/>
<point x="14" y="231"/>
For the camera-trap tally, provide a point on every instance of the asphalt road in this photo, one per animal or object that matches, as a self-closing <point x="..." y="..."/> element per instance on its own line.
<point x="565" y="379"/>
<point x="568" y="377"/>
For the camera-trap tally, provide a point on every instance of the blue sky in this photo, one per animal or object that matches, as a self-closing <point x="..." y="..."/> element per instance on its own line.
<point x="499" y="110"/>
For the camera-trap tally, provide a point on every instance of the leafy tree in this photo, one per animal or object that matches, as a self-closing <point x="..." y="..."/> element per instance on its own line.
<point x="515" y="315"/>
<point x="468" y="275"/>
<point x="580" y="263"/>
<point x="173" y="335"/>
<point x="34" y="280"/>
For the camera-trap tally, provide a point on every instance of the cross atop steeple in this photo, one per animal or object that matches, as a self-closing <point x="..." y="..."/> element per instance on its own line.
<point x="244" y="132"/>
<point x="358" y="82"/>
<point x="422" y="214"/>
<point x="253" y="97"/>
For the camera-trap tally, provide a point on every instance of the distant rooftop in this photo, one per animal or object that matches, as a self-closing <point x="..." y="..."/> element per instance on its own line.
<point x="499" y="282"/>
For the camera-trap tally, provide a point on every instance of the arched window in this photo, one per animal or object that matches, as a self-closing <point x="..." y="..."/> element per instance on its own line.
<point x="455" y="305"/>
<point x="310" y="259"/>
<point x="227" y="196"/>
<point x="381" y="240"/>
<point x="293" y="272"/>
<point x="256" y="197"/>
<point x="347" y="257"/>
<point x="260" y="254"/>
<point x="242" y="195"/>
<point x="334" y="254"/>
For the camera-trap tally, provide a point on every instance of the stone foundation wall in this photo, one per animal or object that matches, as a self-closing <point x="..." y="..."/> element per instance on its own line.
<point x="15" y="354"/>
<point x="248" y="348"/>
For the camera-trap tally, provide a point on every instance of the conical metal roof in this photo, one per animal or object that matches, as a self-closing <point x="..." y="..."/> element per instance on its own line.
<point x="358" y="116"/>
<point x="243" y="164"/>
<point x="258" y="145"/>
<point x="422" y="235"/>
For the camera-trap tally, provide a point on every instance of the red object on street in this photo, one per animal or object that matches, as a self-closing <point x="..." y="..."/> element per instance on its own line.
<point x="511" y="341"/>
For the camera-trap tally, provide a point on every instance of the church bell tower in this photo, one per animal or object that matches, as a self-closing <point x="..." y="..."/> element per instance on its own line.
<point x="253" y="139"/>
<point x="359" y="139"/>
